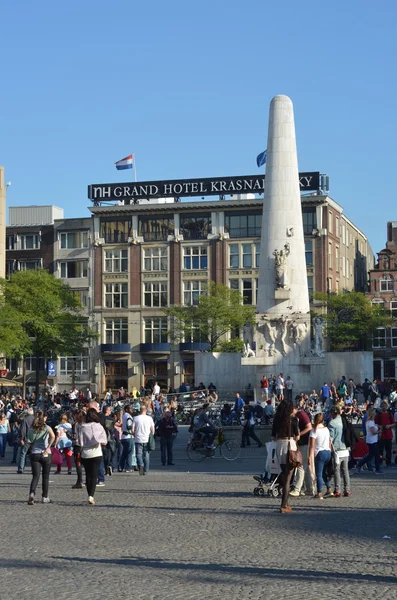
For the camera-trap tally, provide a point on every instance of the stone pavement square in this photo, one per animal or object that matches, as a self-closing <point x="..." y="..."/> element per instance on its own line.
<point x="196" y="535"/>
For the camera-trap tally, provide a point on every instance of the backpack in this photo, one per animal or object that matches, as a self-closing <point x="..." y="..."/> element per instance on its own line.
<point x="349" y="433"/>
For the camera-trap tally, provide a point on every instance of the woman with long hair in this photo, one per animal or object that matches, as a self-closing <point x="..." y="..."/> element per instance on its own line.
<point x="40" y="439"/>
<point x="320" y="454"/>
<point x="285" y="431"/>
<point x="91" y="438"/>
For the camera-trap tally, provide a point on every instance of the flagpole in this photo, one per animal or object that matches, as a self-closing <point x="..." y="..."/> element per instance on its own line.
<point x="135" y="170"/>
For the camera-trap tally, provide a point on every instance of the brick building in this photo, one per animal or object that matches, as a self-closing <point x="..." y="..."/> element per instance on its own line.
<point x="383" y="290"/>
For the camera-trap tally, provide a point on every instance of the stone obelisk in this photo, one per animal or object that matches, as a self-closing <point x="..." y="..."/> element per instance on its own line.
<point x="283" y="298"/>
<point x="2" y="224"/>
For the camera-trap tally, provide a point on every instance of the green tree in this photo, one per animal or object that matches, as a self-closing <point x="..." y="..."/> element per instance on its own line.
<point x="351" y="320"/>
<point x="41" y="316"/>
<point x="220" y="311"/>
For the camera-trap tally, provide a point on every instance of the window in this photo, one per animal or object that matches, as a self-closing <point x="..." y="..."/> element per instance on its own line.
<point x="257" y="254"/>
<point x="337" y="258"/>
<point x="83" y="297"/>
<point x="154" y="229"/>
<point x="330" y="255"/>
<point x="192" y="290"/>
<point x="116" y="261"/>
<point x="310" y="286"/>
<point x="379" y="339"/>
<point x="309" y="220"/>
<point x="337" y="230"/>
<point x="115" y="232"/>
<point x="30" y="241"/>
<point x="195" y="257"/>
<point x="394" y="337"/>
<point x="330" y="222"/>
<point x="234" y="256"/>
<point x="247" y="256"/>
<point x="393" y="309"/>
<point x="70" y="364"/>
<point x="386" y="285"/>
<point x="234" y="285"/>
<point x="347" y="268"/>
<point x="10" y="242"/>
<point x="116" y="331"/>
<point x="31" y="362"/>
<point x="155" y="259"/>
<point x="26" y="265"/>
<point x="309" y="253"/>
<point x="243" y="224"/>
<point x="337" y="286"/>
<point x="247" y="291"/>
<point x="71" y="269"/>
<point x="73" y="239"/>
<point x="156" y="330"/>
<point x="11" y="364"/>
<point x="195" y="334"/>
<point x="195" y="227"/>
<point x="116" y="295"/>
<point x="155" y="294"/>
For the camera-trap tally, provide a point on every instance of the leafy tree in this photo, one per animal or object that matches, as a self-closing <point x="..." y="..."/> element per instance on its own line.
<point x="41" y="316"/>
<point x="351" y="320"/>
<point x="220" y="311"/>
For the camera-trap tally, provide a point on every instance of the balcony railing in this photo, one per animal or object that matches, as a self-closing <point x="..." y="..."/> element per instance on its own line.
<point x="156" y="347"/>
<point x="116" y="237"/>
<point x="243" y="232"/>
<point x="156" y="236"/>
<point x="194" y="234"/>
<point x="116" y="348"/>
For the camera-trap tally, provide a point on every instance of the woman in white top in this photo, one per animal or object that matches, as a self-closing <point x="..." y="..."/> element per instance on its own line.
<point x="320" y="454"/>
<point x="372" y="437"/>
<point x="91" y="438"/>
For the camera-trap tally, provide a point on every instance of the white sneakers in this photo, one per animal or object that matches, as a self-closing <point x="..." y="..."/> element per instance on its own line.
<point x="91" y="500"/>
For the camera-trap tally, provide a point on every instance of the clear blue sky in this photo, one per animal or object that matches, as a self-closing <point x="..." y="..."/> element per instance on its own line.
<point x="186" y="86"/>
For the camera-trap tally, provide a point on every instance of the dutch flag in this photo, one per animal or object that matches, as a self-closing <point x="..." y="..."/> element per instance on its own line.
<point x="124" y="163"/>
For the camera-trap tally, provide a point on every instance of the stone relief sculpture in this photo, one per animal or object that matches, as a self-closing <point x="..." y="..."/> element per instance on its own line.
<point x="318" y="323"/>
<point x="248" y="351"/>
<point x="280" y="259"/>
<point x="297" y="333"/>
<point x="271" y="334"/>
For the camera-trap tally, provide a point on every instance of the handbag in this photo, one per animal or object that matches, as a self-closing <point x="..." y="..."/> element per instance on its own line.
<point x="151" y="444"/>
<point x="294" y="457"/>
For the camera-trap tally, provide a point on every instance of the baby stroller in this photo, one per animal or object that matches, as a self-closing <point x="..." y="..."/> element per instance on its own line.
<point x="271" y="475"/>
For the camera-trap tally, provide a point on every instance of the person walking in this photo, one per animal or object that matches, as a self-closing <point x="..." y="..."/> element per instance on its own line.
<point x="142" y="427"/>
<point x="24" y="431"/>
<point x="335" y="427"/>
<point x="127" y="441"/>
<point x="285" y="432"/>
<point x="248" y="427"/>
<point x="372" y="436"/>
<point x="320" y="454"/>
<point x="91" y="438"/>
<point x="166" y="430"/>
<point x="64" y="442"/>
<point x="304" y="472"/>
<point x="39" y="440"/>
<point x="78" y="420"/>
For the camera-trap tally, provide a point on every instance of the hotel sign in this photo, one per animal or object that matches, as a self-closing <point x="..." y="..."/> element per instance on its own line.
<point x="210" y="186"/>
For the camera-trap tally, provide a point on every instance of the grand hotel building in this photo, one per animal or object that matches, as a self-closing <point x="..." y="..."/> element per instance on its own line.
<point x="128" y="262"/>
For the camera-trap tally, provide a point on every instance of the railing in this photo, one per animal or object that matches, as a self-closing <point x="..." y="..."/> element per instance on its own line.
<point x="156" y="236"/>
<point x="244" y="232"/>
<point x="116" y="237"/>
<point x="194" y="234"/>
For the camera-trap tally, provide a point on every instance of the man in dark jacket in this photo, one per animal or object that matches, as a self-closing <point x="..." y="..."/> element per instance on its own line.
<point x="166" y="430"/>
<point x="25" y="428"/>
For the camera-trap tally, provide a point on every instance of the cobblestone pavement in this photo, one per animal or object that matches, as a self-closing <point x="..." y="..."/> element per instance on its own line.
<point x="190" y="535"/>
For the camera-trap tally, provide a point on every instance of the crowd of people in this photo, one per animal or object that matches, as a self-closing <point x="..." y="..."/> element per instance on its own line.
<point x="115" y="432"/>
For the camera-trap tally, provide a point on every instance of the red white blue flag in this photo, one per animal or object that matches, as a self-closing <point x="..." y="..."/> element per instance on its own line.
<point x="124" y="163"/>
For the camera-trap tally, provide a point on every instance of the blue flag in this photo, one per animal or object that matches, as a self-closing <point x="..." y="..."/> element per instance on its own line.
<point x="261" y="158"/>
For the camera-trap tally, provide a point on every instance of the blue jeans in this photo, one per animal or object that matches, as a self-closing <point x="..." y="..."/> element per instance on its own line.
<point x="320" y="462"/>
<point x="142" y="456"/>
<point x="373" y="452"/>
<point x="166" y="444"/>
<point x="3" y="444"/>
<point x="22" y="457"/>
<point x="126" y="454"/>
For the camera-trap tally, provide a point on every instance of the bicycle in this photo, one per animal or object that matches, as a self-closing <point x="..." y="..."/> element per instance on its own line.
<point x="197" y="450"/>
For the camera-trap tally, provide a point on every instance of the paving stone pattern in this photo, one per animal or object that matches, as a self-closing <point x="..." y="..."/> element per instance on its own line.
<point x="196" y="535"/>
